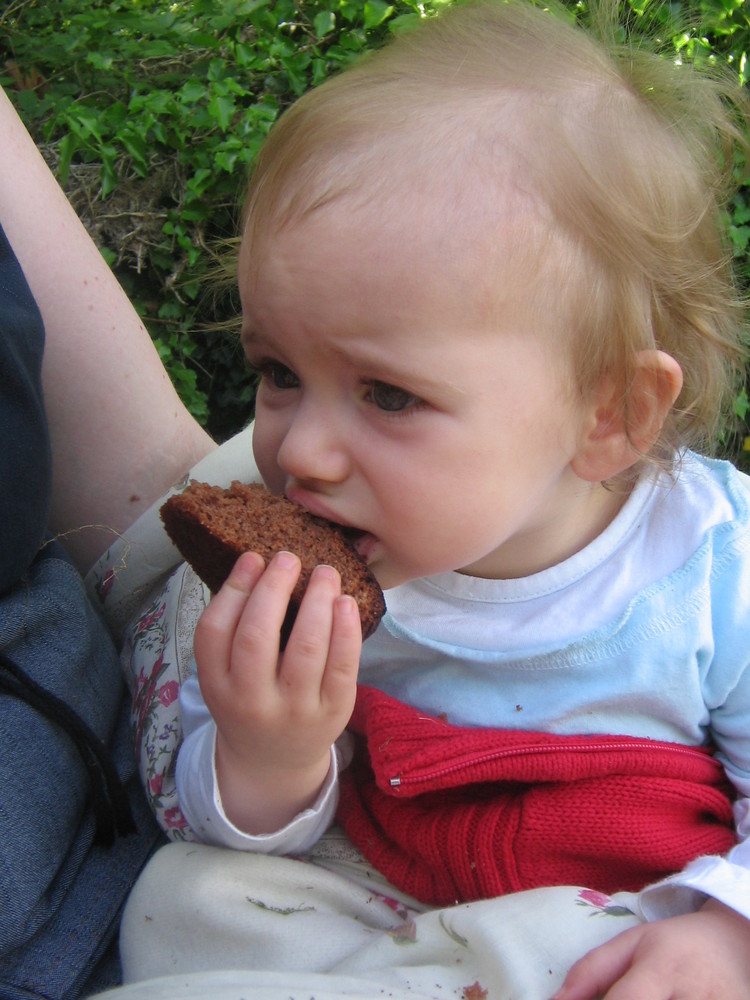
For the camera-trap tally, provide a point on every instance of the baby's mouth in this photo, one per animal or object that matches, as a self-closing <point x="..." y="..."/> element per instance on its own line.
<point x="349" y="534"/>
<point x="364" y="545"/>
<point x="361" y="541"/>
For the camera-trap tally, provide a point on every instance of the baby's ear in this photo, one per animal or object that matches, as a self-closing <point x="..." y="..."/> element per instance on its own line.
<point x="616" y="436"/>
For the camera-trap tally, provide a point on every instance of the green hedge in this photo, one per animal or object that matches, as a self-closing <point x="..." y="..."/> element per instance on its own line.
<point x="151" y="113"/>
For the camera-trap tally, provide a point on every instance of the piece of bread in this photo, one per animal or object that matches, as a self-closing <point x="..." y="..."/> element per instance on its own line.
<point x="212" y="527"/>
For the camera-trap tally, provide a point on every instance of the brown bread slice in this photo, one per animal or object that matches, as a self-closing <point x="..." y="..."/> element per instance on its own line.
<point x="212" y="527"/>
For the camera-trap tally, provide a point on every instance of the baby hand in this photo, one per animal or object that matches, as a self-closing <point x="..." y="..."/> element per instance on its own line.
<point x="276" y="714"/>
<point x="698" y="956"/>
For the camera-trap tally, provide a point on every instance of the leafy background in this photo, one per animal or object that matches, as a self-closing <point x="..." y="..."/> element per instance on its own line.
<point x="150" y="115"/>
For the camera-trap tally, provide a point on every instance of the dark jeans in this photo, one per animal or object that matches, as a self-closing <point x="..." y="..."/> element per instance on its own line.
<point x="62" y="893"/>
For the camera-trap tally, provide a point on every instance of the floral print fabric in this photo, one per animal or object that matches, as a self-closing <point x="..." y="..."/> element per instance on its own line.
<point x="157" y="657"/>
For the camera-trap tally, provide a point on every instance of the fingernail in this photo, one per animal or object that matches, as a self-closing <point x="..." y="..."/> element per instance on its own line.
<point x="286" y="560"/>
<point x="326" y="572"/>
<point x="346" y="605"/>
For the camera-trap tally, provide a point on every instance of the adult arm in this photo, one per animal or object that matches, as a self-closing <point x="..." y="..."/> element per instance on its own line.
<point x="120" y="434"/>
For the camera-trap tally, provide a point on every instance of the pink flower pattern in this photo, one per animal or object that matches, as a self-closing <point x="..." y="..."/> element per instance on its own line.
<point x="168" y="693"/>
<point x="155" y="717"/>
<point x="602" y="904"/>
<point x="174" y="819"/>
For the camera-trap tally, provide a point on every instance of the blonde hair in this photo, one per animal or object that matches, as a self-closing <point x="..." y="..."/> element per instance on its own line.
<point x="631" y="155"/>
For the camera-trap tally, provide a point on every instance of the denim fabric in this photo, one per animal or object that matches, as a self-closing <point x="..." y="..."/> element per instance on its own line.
<point x="62" y="894"/>
<point x="25" y="456"/>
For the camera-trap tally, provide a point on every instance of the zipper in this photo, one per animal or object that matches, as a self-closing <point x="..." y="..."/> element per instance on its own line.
<point x="400" y="781"/>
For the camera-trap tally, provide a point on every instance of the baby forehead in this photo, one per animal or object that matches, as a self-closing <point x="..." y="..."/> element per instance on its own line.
<point x="411" y="264"/>
<point x="475" y="224"/>
<point x="477" y="156"/>
<point x="479" y="94"/>
<point x="448" y="222"/>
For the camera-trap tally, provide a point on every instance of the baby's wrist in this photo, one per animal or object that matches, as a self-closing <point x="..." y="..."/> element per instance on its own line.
<point x="261" y="798"/>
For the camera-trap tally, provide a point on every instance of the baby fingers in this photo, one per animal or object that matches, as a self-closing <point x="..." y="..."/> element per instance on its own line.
<point x="256" y="636"/>
<point x="238" y="634"/>
<point x="307" y="649"/>
<point x="321" y="660"/>
<point x="214" y="634"/>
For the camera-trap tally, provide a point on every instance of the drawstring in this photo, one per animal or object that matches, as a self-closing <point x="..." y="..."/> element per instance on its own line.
<point x="109" y="800"/>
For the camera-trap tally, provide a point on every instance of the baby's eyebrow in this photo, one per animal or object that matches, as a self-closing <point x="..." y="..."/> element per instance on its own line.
<point x="384" y="369"/>
<point x="372" y="365"/>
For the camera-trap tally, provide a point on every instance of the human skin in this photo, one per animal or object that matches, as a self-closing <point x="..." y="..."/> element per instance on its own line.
<point x="445" y="428"/>
<point x="697" y="956"/>
<point x="120" y="434"/>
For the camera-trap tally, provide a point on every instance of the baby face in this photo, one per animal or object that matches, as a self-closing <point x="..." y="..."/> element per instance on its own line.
<point x="405" y="396"/>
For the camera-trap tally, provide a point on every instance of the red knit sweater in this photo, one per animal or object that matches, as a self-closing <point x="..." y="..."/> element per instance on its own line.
<point x="452" y="814"/>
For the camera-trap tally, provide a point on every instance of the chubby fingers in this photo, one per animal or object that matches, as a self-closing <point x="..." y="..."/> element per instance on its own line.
<point x="243" y="619"/>
<point x="340" y="679"/>
<point x="237" y="641"/>
<point x="325" y="644"/>
<point x="600" y="969"/>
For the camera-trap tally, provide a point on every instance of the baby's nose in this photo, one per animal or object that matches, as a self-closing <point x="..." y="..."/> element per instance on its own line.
<point x="314" y="449"/>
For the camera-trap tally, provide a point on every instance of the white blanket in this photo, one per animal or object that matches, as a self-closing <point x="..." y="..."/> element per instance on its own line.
<point x="330" y="927"/>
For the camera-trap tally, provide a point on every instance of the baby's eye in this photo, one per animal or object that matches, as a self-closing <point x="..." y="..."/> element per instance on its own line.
<point x="278" y="375"/>
<point x="390" y="397"/>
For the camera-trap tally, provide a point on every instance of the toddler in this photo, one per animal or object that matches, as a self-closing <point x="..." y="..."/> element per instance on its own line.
<point x="484" y="283"/>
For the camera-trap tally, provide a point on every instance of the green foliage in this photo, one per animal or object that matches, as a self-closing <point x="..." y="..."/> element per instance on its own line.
<point x="151" y="114"/>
